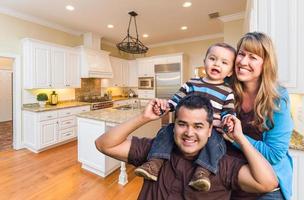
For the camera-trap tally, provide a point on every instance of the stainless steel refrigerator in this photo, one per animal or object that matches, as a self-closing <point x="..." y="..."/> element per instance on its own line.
<point x="167" y="79"/>
<point x="167" y="83"/>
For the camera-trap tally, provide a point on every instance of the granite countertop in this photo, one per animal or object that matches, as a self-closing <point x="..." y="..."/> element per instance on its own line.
<point x="110" y="115"/>
<point x="118" y="98"/>
<point x="297" y="141"/>
<point x="34" y="107"/>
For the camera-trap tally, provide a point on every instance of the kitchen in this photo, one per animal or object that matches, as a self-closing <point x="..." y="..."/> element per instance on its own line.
<point x="125" y="79"/>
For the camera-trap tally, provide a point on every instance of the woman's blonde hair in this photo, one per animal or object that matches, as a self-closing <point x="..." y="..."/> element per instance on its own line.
<point x="267" y="97"/>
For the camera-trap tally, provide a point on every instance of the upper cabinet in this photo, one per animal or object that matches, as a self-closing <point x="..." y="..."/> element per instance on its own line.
<point x="95" y="63"/>
<point x="124" y="73"/>
<point x="145" y="67"/>
<point x="48" y="65"/>
<point x="283" y="22"/>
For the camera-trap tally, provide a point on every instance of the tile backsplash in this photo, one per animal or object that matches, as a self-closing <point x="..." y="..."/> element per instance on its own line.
<point x="89" y="87"/>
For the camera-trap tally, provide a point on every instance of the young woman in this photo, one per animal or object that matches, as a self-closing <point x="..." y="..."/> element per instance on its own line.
<point x="263" y="107"/>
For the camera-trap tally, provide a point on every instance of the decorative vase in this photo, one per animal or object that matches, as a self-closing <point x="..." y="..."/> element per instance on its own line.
<point x="42" y="103"/>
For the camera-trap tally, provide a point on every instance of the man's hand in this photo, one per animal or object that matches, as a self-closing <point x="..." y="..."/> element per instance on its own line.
<point x="156" y="108"/>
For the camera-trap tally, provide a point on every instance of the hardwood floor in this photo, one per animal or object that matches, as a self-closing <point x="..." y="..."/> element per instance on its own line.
<point x="6" y="135"/>
<point x="56" y="175"/>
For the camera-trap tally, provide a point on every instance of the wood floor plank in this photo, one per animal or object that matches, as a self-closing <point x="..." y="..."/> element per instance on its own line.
<point x="55" y="174"/>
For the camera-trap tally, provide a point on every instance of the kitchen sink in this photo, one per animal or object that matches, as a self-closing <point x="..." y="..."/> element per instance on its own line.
<point x="126" y="107"/>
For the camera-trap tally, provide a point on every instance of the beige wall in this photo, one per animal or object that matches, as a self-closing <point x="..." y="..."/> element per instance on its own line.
<point x="13" y="30"/>
<point x="233" y="31"/>
<point x="114" y="51"/>
<point x="6" y="63"/>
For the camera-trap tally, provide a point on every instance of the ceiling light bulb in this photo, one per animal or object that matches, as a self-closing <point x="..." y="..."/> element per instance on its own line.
<point x="69" y="7"/>
<point x="187" y="4"/>
<point x="145" y="35"/>
<point x="110" y="26"/>
<point x="184" y="28"/>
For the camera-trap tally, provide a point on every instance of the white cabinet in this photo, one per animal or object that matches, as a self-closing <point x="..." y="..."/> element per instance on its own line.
<point x="124" y="102"/>
<point x="283" y="22"/>
<point x="48" y="130"/>
<point x="44" y="129"/>
<point x="124" y="73"/>
<point x="298" y="174"/>
<point x="120" y="72"/>
<point x="145" y="67"/>
<point x="39" y="64"/>
<point x="133" y="75"/>
<point x="167" y="59"/>
<point x="72" y="69"/>
<point x="58" y="63"/>
<point x="95" y="63"/>
<point x="47" y="65"/>
<point x="91" y="159"/>
<point x="146" y="94"/>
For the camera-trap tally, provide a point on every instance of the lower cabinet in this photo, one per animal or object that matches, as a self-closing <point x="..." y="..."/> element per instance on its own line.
<point x="298" y="174"/>
<point x="48" y="130"/>
<point x="43" y="130"/>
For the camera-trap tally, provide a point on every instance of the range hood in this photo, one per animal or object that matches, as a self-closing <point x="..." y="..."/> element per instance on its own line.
<point x="95" y="63"/>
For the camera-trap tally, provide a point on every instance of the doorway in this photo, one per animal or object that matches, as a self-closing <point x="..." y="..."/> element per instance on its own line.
<point x="6" y="103"/>
<point x="13" y="126"/>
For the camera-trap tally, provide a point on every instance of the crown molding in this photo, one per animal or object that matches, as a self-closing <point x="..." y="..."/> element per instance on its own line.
<point x="36" y="20"/>
<point x="194" y="39"/>
<point x="233" y="17"/>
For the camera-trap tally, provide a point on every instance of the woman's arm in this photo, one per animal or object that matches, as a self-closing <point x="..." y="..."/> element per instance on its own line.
<point x="275" y="142"/>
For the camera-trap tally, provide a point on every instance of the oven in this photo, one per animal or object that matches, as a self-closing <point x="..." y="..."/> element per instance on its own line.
<point x="146" y="83"/>
<point x="101" y="105"/>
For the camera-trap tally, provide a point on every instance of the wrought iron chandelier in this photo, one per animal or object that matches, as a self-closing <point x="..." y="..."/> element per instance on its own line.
<point x="131" y="44"/>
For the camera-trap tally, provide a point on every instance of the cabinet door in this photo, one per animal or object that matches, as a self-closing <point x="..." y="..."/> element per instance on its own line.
<point x="145" y="68"/>
<point x="58" y="60"/>
<point x="48" y="133"/>
<point x="298" y="174"/>
<point x="117" y="66"/>
<point x="283" y="22"/>
<point x="42" y="67"/>
<point x="72" y="70"/>
<point x="133" y="76"/>
<point x="125" y="73"/>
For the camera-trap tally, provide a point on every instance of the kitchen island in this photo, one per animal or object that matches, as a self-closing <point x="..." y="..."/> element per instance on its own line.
<point x="93" y="124"/>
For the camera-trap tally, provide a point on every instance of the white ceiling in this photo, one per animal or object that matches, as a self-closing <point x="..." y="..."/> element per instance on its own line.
<point x="161" y="19"/>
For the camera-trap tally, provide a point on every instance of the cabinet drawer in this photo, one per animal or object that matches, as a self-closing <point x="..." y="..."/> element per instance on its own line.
<point x="146" y="94"/>
<point x="67" y="134"/>
<point x="67" y="122"/>
<point x="48" y="115"/>
<point x="66" y="112"/>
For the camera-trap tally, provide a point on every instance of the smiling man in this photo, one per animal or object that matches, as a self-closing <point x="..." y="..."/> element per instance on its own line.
<point x="192" y="132"/>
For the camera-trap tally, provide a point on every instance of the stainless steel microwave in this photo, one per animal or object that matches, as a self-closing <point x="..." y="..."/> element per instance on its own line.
<point x="146" y="83"/>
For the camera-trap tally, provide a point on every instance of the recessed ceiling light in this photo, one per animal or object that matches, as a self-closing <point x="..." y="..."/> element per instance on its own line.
<point x="145" y="35"/>
<point x="69" y="7"/>
<point x="110" y="26"/>
<point x="187" y="4"/>
<point x="184" y="28"/>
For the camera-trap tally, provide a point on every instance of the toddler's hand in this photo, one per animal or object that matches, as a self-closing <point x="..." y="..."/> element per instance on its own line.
<point x="228" y="124"/>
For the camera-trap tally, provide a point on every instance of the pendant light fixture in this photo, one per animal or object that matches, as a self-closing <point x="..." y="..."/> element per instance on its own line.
<point x="131" y="44"/>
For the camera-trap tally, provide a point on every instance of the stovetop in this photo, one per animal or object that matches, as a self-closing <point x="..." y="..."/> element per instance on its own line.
<point x="94" y="99"/>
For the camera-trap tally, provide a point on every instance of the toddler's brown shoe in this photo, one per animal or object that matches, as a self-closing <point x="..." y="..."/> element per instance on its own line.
<point x="149" y="170"/>
<point x="200" y="180"/>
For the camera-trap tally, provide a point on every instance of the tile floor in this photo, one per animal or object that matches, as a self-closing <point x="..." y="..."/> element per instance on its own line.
<point x="6" y="135"/>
